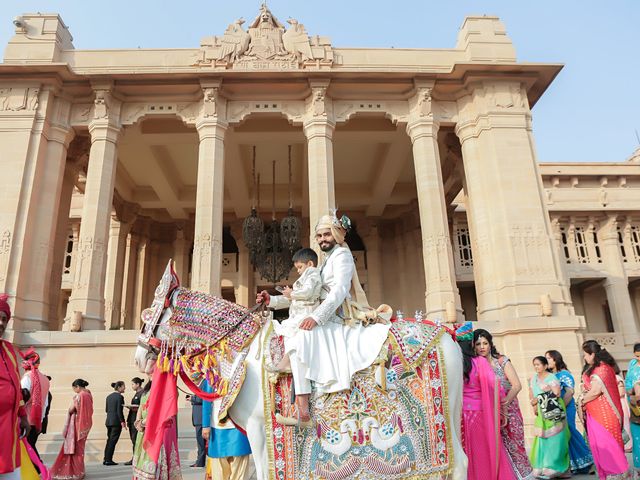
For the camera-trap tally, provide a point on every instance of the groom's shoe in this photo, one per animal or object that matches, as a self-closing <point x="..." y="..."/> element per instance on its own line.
<point x="109" y="463"/>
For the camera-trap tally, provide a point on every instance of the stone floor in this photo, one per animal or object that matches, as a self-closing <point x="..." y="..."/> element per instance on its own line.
<point x="121" y="472"/>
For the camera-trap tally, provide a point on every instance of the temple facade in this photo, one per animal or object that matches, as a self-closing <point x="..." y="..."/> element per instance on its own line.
<point x="116" y="161"/>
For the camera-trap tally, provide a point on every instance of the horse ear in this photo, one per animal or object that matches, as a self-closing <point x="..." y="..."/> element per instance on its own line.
<point x="176" y="279"/>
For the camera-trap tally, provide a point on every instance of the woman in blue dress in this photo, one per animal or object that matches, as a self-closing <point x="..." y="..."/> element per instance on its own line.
<point x="579" y="452"/>
<point x="632" y="386"/>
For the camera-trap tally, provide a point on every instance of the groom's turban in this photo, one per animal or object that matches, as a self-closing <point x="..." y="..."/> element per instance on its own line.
<point x="331" y="222"/>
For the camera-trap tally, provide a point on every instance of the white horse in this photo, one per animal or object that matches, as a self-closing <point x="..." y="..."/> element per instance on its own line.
<point x="248" y="409"/>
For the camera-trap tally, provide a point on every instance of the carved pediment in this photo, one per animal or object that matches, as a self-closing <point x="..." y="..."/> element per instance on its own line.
<point x="266" y="45"/>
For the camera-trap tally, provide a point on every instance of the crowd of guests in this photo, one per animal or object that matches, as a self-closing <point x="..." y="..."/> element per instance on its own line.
<point x="608" y="409"/>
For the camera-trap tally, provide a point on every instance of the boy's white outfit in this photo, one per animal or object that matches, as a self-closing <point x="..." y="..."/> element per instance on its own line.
<point x="332" y="352"/>
<point x="305" y="297"/>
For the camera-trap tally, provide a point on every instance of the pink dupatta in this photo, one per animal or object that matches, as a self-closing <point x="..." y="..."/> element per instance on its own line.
<point x="490" y="398"/>
<point x="79" y="422"/>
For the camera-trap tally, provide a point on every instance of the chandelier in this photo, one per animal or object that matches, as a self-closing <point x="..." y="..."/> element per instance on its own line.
<point x="271" y="247"/>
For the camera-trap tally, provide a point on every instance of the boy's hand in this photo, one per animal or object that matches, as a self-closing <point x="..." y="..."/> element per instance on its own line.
<point x="286" y="291"/>
<point x="263" y="297"/>
<point x="308" y="324"/>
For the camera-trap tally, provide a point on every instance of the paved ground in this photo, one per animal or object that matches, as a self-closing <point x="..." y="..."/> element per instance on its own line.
<point x="121" y="472"/>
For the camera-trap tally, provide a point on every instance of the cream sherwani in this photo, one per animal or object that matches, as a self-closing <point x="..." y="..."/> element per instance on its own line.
<point x="332" y="352"/>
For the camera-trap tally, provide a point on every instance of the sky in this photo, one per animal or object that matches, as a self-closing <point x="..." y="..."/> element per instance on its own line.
<point x="590" y="113"/>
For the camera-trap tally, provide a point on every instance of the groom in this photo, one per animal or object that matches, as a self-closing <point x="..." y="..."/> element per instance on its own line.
<point x="326" y="350"/>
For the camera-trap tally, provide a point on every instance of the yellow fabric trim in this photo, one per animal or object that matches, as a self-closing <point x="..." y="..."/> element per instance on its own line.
<point x="266" y="406"/>
<point x="405" y="362"/>
<point x="447" y="411"/>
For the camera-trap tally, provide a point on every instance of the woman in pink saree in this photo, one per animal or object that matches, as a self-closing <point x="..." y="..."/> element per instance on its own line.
<point x="512" y="429"/>
<point x="603" y="411"/>
<point x="481" y="414"/>
<point x="70" y="462"/>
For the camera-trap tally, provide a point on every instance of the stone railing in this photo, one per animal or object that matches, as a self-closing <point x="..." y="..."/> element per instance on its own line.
<point x="607" y="340"/>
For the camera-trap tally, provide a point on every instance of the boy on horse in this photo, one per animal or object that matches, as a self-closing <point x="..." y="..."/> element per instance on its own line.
<point x="326" y="350"/>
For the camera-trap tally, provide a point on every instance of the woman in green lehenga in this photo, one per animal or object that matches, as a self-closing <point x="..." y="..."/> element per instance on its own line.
<point x="550" y="450"/>
<point x="168" y="466"/>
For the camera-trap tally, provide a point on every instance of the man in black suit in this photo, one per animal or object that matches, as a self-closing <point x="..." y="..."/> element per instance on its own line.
<point x="196" y="419"/>
<point x="115" y="421"/>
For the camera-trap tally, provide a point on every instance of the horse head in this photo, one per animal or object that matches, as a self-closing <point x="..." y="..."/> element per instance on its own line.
<point x="184" y="327"/>
<point x="155" y="320"/>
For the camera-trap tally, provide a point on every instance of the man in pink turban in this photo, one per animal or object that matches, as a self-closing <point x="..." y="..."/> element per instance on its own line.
<point x="13" y="416"/>
<point x="37" y="384"/>
<point x="326" y="350"/>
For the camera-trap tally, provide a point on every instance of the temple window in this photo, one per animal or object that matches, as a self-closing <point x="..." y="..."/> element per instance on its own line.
<point x="68" y="254"/>
<point x="463" y="247"/>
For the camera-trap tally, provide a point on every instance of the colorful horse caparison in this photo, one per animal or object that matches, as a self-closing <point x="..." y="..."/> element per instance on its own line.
<point x="401" y="419"/>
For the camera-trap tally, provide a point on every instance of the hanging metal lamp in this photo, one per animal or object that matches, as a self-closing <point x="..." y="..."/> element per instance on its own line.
<point x="253" y="227"/>
<point x="291" y="226"/>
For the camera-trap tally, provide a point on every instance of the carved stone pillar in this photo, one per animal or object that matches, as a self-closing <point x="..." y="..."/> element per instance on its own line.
<point x="118" y="232"/>
<point x="374" y="267"/>
<point x="76" y="156"/>
<point x="557" y="242"/>
<point x="207" y="248"/>
<point x="155" y="268"/>
<point x="87" y="296"/>
<point x="127" y="314"/>
<point x="181" y="255"/>
<point x="616" y="284"/>
<point x="245" y="289"/>
<point x="319" y="128"/>
<point x="142" y="279"/>
<point x="440" y="275"/>
<point x="20" y="131"/>
<point x="33" y="292"/>
<point x="515" y="262"/>
<point x="401" y="264"/>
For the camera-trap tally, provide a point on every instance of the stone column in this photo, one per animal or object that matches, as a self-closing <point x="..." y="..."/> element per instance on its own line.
<point x="77" y="154"/>
<point x="515" y="261"/>
<point x="400" y="256"/>
<point x="87" y="296"/>
<point x="245" y="288"/>
<point x="181" y="255"/>
<point x="440" y="275"/>
<point x="142" y="279"/>
<point x="318" y="128"/>
<point x="118" y="232"/>
<point x="33" y="293"/>
<point x="616" y="284"/>
<point x="129" y="281"/>
<point x="207" y="248"/>
<point x="374" y="267"/>
<point x="154" y="272"/>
